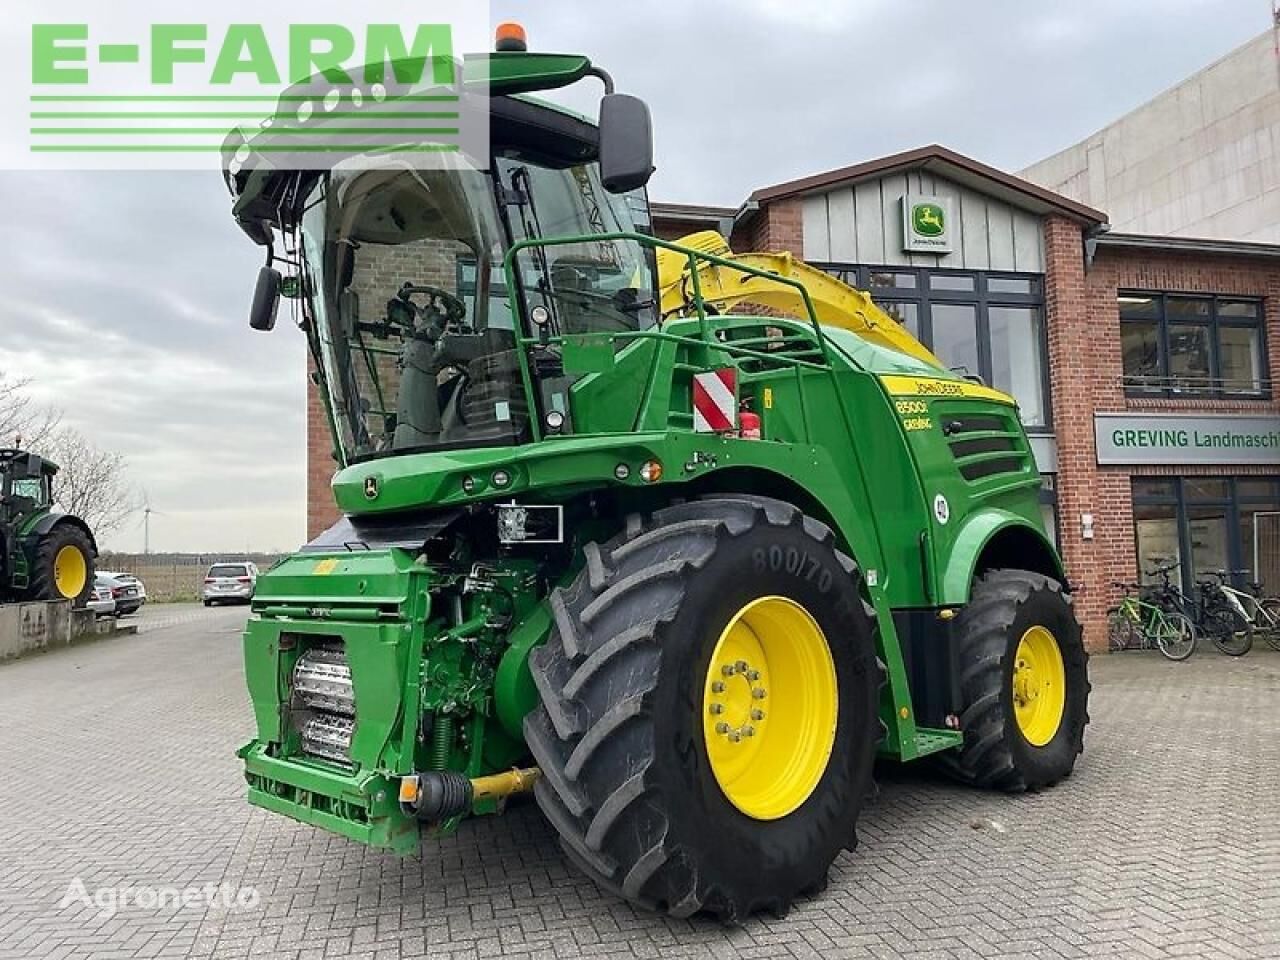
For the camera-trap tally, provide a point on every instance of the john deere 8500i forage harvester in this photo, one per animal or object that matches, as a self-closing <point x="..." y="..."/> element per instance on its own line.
<point x="680" y="570"/>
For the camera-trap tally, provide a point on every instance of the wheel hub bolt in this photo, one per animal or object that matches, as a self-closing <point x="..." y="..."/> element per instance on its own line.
<point x="717" y="686"/>
<point x="748" y="731"/>
<point x="722" y="727"/>
<point x="717" y="708"/>
<point x="757" y="715"/>
<point x="759" y="693"/>
<point x="727" y="670"/>
<point x="753" y="675"/>
<point x="734" y="736"/>
<point x="740" y="667"/>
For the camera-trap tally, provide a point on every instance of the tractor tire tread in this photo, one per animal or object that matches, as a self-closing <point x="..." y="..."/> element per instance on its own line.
<point x="987" y="758"/>
<point x="592" y="736"/>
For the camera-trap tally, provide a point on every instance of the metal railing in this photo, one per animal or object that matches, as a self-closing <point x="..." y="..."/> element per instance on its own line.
<point x="706" y="339"/>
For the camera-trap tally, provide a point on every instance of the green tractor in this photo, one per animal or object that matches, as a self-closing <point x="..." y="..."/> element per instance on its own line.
<point x="680" y="569"/>
<point x="44" y="553"/>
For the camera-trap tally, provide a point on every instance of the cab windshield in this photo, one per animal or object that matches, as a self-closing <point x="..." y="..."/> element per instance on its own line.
<point x="415" y="327"/>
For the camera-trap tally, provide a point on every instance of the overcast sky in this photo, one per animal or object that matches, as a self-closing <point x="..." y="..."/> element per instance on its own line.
<point x="124" y="295"/>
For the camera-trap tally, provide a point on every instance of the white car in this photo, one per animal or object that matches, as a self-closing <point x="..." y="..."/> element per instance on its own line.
<point x="229" y="582"/>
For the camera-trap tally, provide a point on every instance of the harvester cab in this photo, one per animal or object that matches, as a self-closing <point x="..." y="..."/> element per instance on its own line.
<point x="678" y="538"/>
<point x="44" y="554"/>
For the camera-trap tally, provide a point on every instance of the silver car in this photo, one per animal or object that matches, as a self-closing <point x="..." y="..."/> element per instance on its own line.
<point x="229" y="582"/>
<point x="101" y="602"/>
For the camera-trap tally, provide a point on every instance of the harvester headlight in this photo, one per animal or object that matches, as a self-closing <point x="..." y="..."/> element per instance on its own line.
<point x="622" y="471"/>
<point x="540" y="315"/>
<point x="468" y="484"/>
<point x="501" y="479"/>
<point x="555" y="421"/>
<point x="651" y="471"/>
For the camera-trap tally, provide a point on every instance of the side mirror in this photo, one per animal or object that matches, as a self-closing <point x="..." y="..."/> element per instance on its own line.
<point x="266" y="299"/>
<point x="626" y="143"/>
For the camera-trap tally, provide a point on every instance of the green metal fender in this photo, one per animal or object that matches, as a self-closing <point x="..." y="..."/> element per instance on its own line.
<point x="42" y="523"/>
<point x="989" y="533"/>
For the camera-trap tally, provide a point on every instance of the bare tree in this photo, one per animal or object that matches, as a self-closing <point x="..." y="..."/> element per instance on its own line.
<point x="91" y="482"/>
<point x="23" y="422"/>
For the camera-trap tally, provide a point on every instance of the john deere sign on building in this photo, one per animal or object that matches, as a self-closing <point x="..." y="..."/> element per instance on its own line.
<point x="1172" y="438"/>
<point x="926" y="224"/>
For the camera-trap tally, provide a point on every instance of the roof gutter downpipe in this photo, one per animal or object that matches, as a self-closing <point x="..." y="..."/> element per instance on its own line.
<point x="1091" y="243"/>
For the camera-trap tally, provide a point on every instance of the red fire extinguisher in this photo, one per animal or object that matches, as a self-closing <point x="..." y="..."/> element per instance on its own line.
<point x="748" y="423"/>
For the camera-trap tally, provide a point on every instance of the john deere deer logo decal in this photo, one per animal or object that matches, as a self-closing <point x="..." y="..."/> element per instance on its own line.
<point x="928" y="220"/>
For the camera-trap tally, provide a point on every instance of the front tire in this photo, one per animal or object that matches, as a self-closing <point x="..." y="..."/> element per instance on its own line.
<point x="1024" y="684"/>
<point x="1175" y="636"/>
<point x="658" y="790"/>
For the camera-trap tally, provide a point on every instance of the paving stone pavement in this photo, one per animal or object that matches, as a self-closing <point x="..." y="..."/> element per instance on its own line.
<point x="118" y="770"/>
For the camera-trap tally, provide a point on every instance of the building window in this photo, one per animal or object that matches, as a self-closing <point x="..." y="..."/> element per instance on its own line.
<point x="1203" y="524"/>
<point x="955" y="336"/>
<point x="1176" y="346"/>
<point x="1017" y="343"/>
<point x="984" y="325"/>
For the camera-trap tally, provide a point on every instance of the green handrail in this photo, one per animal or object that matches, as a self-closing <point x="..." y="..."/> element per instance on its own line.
<point x="705" y="339"/>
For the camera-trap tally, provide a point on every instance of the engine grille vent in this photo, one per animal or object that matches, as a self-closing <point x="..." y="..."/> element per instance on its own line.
<point x="986" y="445"/>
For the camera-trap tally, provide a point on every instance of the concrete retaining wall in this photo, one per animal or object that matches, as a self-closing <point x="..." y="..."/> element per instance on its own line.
<point x="27" y="627"/>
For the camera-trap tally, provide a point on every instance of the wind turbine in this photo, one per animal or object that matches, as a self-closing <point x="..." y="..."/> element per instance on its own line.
<point x="146" y="523"/>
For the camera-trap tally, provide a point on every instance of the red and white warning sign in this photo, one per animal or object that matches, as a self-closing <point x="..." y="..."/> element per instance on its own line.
<point x="715" y="406"/>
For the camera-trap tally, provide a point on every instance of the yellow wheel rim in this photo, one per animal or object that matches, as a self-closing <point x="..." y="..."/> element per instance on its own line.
<point x="769" y="708"/>
<point x="1039" y="686"/>
<point x="70" y="572"/>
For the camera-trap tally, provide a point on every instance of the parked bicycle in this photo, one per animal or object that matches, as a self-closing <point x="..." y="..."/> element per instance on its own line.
<point x="1135" y="620"/>
<point x="1166" y="594"/>
<point x="1218" y="611"/>
<point x="1249" y="612"/>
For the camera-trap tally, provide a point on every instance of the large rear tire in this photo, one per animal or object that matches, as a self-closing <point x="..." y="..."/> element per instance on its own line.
<point x="1024" y="684"/>
<point x="684" y="783"/>
<point x="62" y="566"/>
